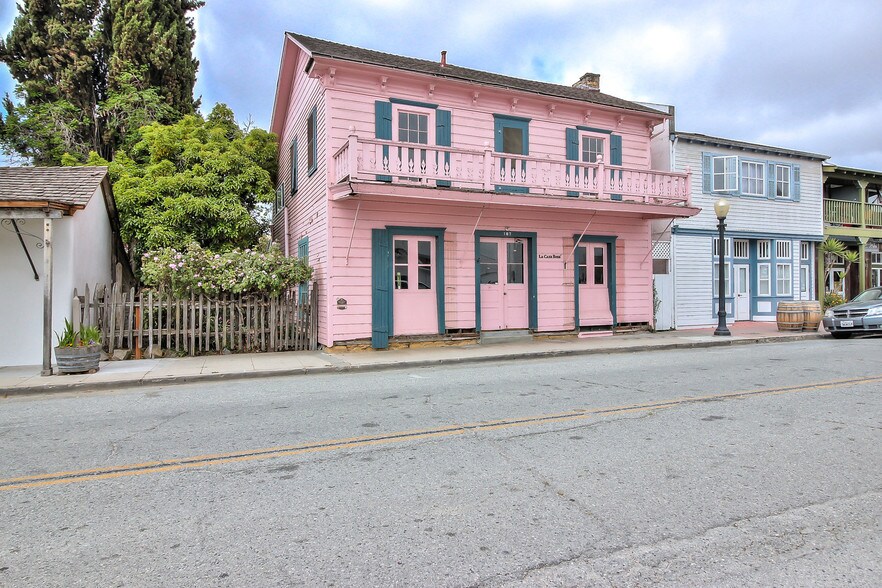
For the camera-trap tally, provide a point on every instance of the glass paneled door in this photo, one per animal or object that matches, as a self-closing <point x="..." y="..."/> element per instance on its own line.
<point x="592" y="275"/>
<point x="414" y="293"/>
<point x="504" y="290"/>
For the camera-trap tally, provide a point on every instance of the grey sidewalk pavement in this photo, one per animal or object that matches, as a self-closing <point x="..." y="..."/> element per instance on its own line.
<point x="132" y="373"/>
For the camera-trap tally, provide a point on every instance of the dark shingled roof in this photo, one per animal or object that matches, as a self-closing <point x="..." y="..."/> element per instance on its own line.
<point x="69" y="186"/>
<point x="717" y="141"/>
<point x="319" y="47"/>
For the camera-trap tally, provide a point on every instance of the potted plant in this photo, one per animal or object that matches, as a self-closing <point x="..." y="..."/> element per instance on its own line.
<point x="78" y="351"/>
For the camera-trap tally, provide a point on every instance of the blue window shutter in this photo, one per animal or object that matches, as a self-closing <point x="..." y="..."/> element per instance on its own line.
<point x="615" y="150"/>
<point x="794" y="188"/>
<point x="303" y="253"/>
<point x="771" y="181"/>
<point x="572" y="143"/>
<point x="383" y="120"/>
<point x="707" y="178"/>
<point x="442" y="138"/>
<point x="615" y="158"/>
<point x="381" y="294"/>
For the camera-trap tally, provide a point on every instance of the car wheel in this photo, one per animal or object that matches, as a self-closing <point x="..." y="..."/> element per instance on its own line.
<point x="841" y="335"/>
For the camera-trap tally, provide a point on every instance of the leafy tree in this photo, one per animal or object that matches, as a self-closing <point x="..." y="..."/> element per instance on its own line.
<point x="91" y="72"/>
<point x="196" y="180"/>
<point x="53" y="51"/>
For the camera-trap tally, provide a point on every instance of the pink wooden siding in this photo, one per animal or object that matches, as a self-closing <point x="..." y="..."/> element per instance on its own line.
<point x="308" y="210"/>
<point x="555" y="231"/>
<point x="338" y="216"/>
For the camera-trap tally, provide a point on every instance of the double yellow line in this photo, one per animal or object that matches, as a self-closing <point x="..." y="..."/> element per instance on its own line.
<point x="170" y="465"/>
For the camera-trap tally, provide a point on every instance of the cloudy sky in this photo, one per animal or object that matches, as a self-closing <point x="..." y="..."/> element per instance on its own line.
<point x="802" y="74"/>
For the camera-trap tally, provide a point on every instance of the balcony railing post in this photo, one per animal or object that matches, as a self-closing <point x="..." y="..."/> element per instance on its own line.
<point x="488" y="167"/>
<point x="353" y="154"/>
<point x="687" y="195"/>
<point x="601" y="180"/>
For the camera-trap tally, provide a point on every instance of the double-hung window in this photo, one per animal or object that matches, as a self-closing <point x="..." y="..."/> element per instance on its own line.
<point x="738" y="175"/>
<point x="725" y="173"/>
<point x="414" y="124"/>
<point x="782" y="181"/>
<point x="764" y="279"/>
<point x="752" y="178"/>
<point x="594" y="148"/>
<point x="726" y="271"/>
<point x="783" y="279"/>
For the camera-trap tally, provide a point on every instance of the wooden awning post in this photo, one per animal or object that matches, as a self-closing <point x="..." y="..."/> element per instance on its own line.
<point x="47" y="297"/>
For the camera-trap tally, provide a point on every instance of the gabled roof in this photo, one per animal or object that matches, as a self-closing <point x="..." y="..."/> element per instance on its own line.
<point x="755" y="147"/>
<point x="331" y="50"/>
<point x="62" y="187"/>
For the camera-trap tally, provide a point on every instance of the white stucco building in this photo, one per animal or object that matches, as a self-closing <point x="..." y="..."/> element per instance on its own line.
<point x="60" y="221"/>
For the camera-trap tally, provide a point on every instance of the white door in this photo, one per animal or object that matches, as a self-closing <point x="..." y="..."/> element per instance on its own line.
<point x="742" y="293"/>
<point x="664" y="291"/>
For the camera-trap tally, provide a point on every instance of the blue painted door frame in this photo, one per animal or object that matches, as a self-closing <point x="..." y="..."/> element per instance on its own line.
<point x="610" y="242"/>
<point x="532" y="274"/>
<point x="382" y="284"/>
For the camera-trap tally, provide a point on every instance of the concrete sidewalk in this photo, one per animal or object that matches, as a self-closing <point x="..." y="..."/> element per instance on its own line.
<point x="169" y="371"/>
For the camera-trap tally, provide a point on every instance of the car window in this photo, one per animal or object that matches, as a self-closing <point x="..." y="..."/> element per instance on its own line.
<point x="868" y="295"/>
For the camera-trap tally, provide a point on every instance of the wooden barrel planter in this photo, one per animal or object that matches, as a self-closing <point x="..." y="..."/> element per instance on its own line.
<point x="790" y="316"/>
<point x="811" y="315"/>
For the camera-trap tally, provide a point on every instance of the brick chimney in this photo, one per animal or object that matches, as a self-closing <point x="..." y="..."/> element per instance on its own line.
<point x="589" y="81"/>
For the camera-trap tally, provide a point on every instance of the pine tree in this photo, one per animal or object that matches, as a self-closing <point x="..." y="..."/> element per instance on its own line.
<point x="54" y="52"/>
<point x="91" y="72"/>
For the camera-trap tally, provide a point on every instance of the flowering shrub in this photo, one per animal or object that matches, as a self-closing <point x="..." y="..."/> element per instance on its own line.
<point x="832" y="299"/>
<point x="199" y="271"/>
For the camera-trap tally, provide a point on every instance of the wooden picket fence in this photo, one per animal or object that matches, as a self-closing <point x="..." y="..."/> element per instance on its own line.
<point x="147" y="320"/>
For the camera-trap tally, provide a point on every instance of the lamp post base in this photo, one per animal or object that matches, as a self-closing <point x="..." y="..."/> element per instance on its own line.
<point x="722" y="329"/>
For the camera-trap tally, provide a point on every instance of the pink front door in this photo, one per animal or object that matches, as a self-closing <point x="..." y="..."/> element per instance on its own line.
<point x="593" y="277"/>
<point x="504" y="291"/>
<point x="414" y="293"/>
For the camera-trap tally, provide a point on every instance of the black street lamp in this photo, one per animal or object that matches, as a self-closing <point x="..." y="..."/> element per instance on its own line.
<point x="721" y="207"/>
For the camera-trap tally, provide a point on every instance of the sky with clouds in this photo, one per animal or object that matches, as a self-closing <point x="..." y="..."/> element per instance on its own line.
<point x="800" y="74"/>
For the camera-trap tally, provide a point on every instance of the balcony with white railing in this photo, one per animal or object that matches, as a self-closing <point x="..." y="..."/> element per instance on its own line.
<point x="363" y="159"/>
<point x="848" y="213"/>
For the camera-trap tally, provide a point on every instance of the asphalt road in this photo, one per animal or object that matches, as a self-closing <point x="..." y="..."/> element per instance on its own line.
<point x="750" y="465"/>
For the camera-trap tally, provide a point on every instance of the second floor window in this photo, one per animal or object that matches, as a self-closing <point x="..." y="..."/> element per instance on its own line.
<point x="725" y="174"/>
<point x="413" y="127"/>
<point x="752" y="178"/>
<point x="592" y="149"/>
<point x="782" y="181"/>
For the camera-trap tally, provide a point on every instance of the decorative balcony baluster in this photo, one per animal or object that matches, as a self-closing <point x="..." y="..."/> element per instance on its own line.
<point x="376" y="159"/>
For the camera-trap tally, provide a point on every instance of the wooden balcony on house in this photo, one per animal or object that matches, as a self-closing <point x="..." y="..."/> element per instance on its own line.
<point x="848" y="213"/>
<point x="405" y="164"/>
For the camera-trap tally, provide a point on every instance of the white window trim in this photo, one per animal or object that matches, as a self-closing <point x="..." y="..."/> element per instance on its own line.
<point x="715" y="282"/>
<point x="746" y="247"/>
<point x="768" y="280"/>
<point x="602" y="136"/>
<point x="778" y="275"/>
<point x="805" y="251"/>
<point x="715" y="250"/>
<point x="789" y="170"/>
<point x="783" y="249"/>
<point x="759" y="253"/>
<point x="408" y="109"/>
<point x="804" y="277"/>
<point x="761" y="179"/>
<point x="726" y="174"/>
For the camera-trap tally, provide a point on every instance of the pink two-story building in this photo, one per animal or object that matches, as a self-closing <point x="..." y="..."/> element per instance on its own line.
<point x="435" y="200"/>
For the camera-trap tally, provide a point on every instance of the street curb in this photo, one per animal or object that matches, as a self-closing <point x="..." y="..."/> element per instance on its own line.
<point x="61" y="388"/>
